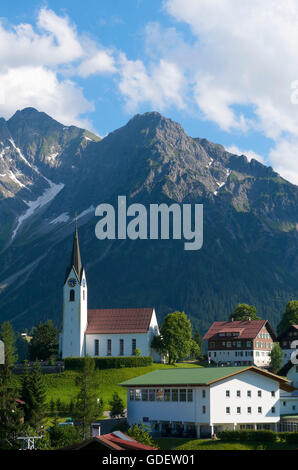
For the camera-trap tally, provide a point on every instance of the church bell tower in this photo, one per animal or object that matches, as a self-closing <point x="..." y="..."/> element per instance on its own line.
<point x="74" y="304"/>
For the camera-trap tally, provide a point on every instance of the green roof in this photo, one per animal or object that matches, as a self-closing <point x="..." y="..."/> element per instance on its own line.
<point x="193" y="376"/>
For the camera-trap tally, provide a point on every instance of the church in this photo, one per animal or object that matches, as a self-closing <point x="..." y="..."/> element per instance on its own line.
<point x="101" y="332"/>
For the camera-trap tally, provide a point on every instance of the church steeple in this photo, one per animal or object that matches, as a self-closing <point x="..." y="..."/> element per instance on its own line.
<point x="75" y="261"/>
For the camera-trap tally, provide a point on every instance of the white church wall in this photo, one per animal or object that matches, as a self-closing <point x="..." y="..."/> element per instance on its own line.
<point x="142" y="343"/>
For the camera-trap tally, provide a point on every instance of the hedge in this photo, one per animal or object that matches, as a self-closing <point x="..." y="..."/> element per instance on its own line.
<point x="76" y="363"/>
<point x="262" y="436"/>
<point x="289" y="437"/>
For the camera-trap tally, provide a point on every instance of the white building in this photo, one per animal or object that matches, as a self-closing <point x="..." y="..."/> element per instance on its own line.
<point x="206" y="400"/>
<point x="101" y="332"/>
<point x="240" y="343"/>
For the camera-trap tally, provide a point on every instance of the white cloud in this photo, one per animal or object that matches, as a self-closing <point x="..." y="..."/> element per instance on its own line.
<point x="240" y="63"/>
<point x="284" y="158"/>
<point x="40" y="88"/>
<point x="36" y="64"/>
<point x="160" y="85"/>
<point x="100" y="62"/>
<point x="249" y="153"/>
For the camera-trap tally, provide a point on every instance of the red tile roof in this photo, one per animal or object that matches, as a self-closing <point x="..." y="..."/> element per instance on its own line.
<point x="246" y="329"/>
<point x="124" y="442"/>
<point x="116" y="440"/>
<point x="119" y="320"/>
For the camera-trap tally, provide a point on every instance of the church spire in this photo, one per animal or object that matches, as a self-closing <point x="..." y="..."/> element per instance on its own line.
<point x="75" y="261"/>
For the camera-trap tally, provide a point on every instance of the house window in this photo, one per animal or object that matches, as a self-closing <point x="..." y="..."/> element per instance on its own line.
<point x="249" y="393"/>
<point x="259" y="409"/>
<point x="238" y="410"/>
<point x="182" y="394"/>
<point x="159" y="394"/>
<point x="189" y="394"/>
<point x="204" y="393"/>
<point x="96" y="347"/>
<point x="294" y="407"/>
<point x="227" y="393"/>
<point x="151" y="394"/>
<point x="273" y="409"/>
<point x="238" y="393"/>
<point x="83" y="294"/>
<point x="204" y="409"/>
<point x="131" y="394"/>
<point x="109" y="347"/>
<point x="212" y="344"/>
<point x="228" y="410"/>
<point x="121" y="344"/>
<point x="71" y="295"/>
<point x="249" y="410"/>
<point x="138" y="395"/>
<point x="259" y="393"/>
<point x="133" y="346"/>
<point x="144" y="394"/>
<point x="273" y="394"/>
<point x="167" y="394"/>
<point x="175" y="394"/>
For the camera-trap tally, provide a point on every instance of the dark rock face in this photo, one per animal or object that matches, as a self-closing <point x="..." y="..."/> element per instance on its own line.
<point x="49" y="171"/>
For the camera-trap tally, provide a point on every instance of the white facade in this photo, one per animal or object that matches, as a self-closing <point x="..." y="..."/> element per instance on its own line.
<point x="258" y="358"/>
<point x="246" y="400"/>
<point x="129" y="341"/>
<point x="74" y="316"/>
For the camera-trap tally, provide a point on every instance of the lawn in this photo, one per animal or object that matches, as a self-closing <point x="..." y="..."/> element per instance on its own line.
<point x="208" y="444"/>
<point x="62" y="385"/>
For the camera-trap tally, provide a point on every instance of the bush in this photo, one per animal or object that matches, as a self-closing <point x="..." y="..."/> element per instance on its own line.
<point x="76" y="363"/>
<point x="292" y="437"/>
<point x="63" y="436"/>
<point x="247" y="435"/>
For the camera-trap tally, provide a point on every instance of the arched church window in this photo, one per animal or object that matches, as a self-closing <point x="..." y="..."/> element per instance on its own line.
<point x="71" y="295"/>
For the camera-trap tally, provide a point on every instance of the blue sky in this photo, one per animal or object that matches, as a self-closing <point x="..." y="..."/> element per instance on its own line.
<point x="222" y="68"/>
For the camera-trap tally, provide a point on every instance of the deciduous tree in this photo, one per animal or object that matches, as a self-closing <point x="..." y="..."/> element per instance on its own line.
<point x="290" y="316"/>
<point x="244" y="312"/>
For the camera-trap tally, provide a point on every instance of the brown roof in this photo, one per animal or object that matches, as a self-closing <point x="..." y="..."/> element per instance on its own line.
<point x="119" y="320"/>
<point x="246" y="329"/>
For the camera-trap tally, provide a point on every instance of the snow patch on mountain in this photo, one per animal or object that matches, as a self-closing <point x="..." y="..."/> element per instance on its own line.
<point x="48" y="195"/>
<point x="14" y="178"/>
<point x="61" y="218"/>
<point x="86" y="211"/>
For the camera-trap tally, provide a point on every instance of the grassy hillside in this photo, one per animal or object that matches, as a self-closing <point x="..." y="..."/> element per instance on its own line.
<point x="62" y="385"/>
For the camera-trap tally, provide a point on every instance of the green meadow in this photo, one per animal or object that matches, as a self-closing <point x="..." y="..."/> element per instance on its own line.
<point x="62" y="385"/>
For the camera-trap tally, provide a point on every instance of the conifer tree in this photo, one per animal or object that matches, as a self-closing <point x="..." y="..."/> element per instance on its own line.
<point x="88" y="406"/>
<point x="10" y="413"/>
<point x="34" y="396"/>
<point x="117" y="406"/>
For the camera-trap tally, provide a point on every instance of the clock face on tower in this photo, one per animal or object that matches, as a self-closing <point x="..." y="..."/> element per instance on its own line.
<point x="72" y="282"/>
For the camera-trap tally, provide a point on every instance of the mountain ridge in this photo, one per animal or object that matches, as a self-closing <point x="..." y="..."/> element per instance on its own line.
<point x="250" y="221"/>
